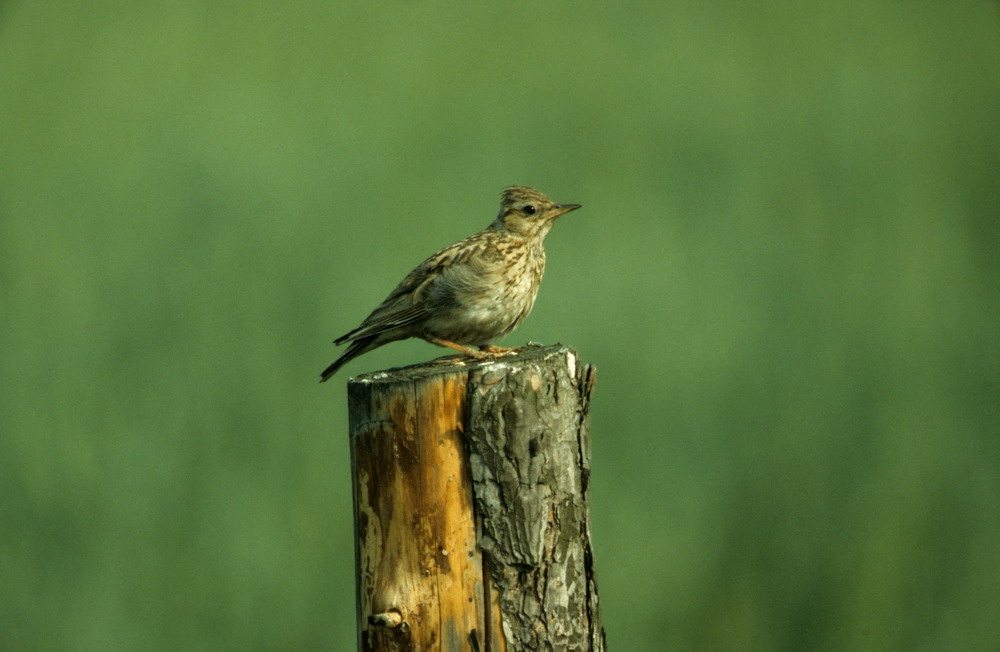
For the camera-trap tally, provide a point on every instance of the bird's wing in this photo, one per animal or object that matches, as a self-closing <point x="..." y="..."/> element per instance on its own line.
<point x="399" y="309"/>
<point x="406" y="304"/>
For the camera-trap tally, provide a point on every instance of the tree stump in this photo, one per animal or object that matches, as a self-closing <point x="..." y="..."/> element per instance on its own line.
<point x="472" y="505"/>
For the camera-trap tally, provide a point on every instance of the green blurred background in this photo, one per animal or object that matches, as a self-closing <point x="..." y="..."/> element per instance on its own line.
<point x="786" y="272"/>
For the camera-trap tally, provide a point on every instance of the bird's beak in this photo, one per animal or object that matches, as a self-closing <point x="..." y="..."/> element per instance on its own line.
<point x="563" y="208"/>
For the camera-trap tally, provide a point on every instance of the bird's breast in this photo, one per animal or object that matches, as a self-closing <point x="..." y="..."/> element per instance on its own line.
<point x="476" y="304"/>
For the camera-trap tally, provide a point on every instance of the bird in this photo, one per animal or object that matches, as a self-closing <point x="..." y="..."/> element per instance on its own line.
<point x="470" y="293"/>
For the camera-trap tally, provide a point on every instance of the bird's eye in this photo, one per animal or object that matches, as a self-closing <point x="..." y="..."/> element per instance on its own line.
<point x="530" y="209"/>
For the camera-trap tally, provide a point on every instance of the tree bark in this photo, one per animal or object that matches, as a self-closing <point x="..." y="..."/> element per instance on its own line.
<point x="472" y="505"/>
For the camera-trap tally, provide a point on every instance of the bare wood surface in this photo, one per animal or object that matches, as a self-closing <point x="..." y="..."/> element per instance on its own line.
<point x="471" y="483"/>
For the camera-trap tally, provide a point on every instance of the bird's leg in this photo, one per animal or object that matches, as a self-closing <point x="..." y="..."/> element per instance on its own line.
<point x="472" y="353"/>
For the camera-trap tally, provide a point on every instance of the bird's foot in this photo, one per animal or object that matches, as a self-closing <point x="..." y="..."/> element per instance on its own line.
<point x="464" y="350"/>
<point x="497" y="351"/>
<point x="449" y="359"/>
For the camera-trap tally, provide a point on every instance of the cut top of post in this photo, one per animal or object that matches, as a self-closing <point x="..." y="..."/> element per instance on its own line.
<point x="459" y="364"/>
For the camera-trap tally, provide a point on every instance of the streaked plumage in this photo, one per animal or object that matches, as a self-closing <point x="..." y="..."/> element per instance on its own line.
<point x="470" y="293"/>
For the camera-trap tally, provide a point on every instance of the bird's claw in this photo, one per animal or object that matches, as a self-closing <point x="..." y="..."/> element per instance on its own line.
<point x="489" y="351"/>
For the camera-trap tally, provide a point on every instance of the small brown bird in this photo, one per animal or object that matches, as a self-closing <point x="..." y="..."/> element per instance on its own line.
<point x="470" y="293"/>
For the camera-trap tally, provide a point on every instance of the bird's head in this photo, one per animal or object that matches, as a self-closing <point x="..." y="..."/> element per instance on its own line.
<point x="527" y="212"/>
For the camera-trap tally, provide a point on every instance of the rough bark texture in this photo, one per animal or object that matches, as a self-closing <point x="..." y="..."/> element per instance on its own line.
<point x="528" y="433"/>
<point x="471" y="493"/>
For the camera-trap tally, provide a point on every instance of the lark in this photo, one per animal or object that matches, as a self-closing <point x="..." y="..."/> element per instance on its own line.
<point x="470" y="293"/>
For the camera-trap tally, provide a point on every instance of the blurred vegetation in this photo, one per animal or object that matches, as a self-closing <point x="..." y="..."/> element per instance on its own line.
<point x="786" y="271"/>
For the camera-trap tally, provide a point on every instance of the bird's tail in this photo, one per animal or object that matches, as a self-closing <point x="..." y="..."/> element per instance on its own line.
<point x="357" y="347"/>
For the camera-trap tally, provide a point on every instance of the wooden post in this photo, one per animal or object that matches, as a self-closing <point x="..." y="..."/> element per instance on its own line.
<point x="472" y="505"/>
